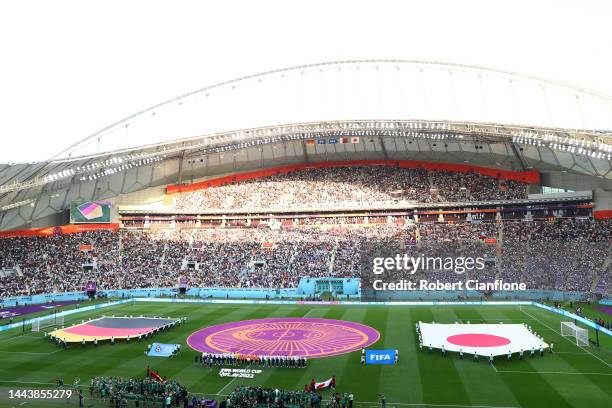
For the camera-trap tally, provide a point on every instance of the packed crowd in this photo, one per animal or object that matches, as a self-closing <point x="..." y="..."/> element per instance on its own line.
<point x="145" y="391"/>
<point x="251" y="397"/>
<point x="55" y="264"/>
<point x="568" y="254"/>
<point x="310" y="187"/>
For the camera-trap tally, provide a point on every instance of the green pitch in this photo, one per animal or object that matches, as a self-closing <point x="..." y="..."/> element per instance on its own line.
<point x="571" y="377"/>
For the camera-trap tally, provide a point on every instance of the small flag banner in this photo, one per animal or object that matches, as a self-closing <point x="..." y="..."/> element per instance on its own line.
<point x="343" y="140"/>
<point x="85" y="247"/>
<point x="267" y="245"/>
<point x="410" y="242"/>
<point x="332" y="141"/>
<point x="321" y="141"/>
<point x="354" y="139"/>
<point x="162" y="350"/>
<point x="325" y="384"/>
<point x="155" y="375"/>
<point x="310" y="142"/>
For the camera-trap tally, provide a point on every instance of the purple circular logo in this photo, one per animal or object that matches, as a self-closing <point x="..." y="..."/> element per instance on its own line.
<point x="302" y="337"/>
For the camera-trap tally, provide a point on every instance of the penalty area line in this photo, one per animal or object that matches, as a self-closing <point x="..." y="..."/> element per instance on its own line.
<point x="308" y="312"/>
<point x="226" y="385"/>
<point x="424" y="404"/>
<point x="582" y="348"/>
<point x="26" y="382"/>
<point x="65" y="386"/>
<point x="550" y="372"/>
<point x="30" y="353"/>
<point x="571" y="352"/>
<point x="20" y="336"/>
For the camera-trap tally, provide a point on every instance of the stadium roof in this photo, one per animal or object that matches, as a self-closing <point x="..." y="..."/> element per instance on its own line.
<point x="357" y="90"/>
<point x="401" y="110"/>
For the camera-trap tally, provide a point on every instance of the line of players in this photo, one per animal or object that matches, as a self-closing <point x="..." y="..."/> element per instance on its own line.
<point x="228" y="359"/>
<point x="491" y="357"/>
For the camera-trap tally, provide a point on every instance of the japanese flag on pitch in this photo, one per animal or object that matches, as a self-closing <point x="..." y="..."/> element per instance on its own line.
<point x="324" y="384"/>
<point x="482" y="339"/>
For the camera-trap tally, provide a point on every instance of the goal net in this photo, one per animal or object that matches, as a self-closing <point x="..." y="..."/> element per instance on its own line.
<point x="48" y="321"/>
<point x="569" y="329"/>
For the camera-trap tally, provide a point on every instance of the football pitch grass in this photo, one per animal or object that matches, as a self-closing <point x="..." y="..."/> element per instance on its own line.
<point x="571" y="377"/>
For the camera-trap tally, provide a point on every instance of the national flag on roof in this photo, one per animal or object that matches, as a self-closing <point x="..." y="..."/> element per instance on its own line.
<point x="310" y="141"/>
<point x="344" y="140"/>
<point x="354" y="139"/>
<point x="321" y="141"/>
<point x="332" y="141"/>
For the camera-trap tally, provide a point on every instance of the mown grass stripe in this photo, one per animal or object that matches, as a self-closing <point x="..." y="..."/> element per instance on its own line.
<point x="441" y="382"/>
<point x="420" y="378"/>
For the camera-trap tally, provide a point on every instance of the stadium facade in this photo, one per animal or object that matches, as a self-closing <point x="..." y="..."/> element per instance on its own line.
<point x="399" y="111"/>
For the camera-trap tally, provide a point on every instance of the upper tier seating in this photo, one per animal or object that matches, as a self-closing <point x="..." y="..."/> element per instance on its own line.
<point x="310" y="187"/>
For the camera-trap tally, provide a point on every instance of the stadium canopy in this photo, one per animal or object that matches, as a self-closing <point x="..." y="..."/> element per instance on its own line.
<point x="357" y="90"/>
<point x="400" y="110"/>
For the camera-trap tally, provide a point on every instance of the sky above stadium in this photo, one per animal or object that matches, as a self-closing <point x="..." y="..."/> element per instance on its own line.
<point x="69" y="68"/>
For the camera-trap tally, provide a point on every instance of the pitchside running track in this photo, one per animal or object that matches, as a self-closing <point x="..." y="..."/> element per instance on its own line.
<point x="116" y="327"/>
<point x="300" y="337"/>
<point x="16" y="311"/>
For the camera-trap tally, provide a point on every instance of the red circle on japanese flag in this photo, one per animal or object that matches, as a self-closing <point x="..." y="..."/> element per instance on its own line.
<point x="478" y="340"/>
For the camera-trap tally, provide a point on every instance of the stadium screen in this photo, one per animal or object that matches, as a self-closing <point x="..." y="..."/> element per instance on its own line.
<point x="88" y="212"/>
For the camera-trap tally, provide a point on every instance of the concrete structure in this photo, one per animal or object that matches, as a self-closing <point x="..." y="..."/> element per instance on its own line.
<point x="400" y="110"/>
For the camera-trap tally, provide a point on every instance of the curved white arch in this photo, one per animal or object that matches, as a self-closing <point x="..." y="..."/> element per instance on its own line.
<point x="452" y="91"/>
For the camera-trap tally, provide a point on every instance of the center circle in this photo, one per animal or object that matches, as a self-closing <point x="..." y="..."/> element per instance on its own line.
<point x="478" y="340"/>
<point x="299" y="337"/>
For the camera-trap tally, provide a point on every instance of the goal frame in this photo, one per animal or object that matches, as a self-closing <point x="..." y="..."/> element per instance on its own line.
<point x="47" y="321"/>
<point x="571" y="329"/>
